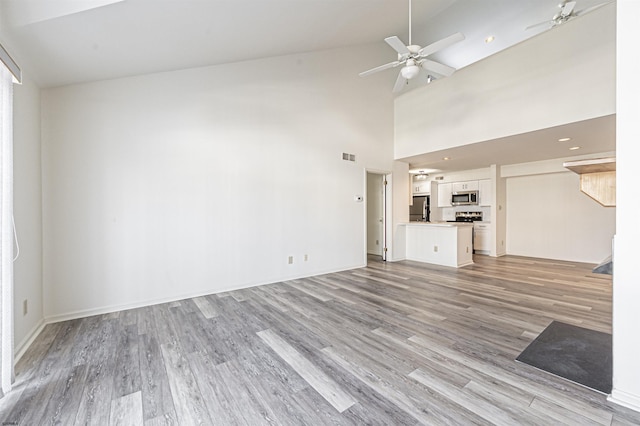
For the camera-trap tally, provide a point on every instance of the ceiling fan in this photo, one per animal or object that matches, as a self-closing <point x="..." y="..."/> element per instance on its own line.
<point x="567" y="11"/>
<point x="414" y="57"/>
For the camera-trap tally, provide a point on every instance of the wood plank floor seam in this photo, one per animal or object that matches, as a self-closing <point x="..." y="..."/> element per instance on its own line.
<point x="325" y="386"/>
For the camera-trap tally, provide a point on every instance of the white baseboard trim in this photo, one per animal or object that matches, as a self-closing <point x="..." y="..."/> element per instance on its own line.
<point x="22" y="347"/>
<point x="625" y="399"/>
<point x="123" y="307"/>
<point x="84" y="313"/>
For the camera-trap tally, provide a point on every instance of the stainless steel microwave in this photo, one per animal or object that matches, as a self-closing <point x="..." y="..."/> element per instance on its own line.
<point x="464" y="198"/>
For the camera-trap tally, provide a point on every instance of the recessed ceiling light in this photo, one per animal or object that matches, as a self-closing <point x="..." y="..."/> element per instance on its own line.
<point x="489" y="39"/>
<point x="573" y="148"/>
<point x="446" y="158"/>
<point x="564" y="139"/>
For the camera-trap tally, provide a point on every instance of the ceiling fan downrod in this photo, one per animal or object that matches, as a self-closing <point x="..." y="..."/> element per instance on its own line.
<point x="410" y="23"/>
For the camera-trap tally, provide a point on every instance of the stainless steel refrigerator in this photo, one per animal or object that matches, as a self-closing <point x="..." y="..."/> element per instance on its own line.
<point x="419" y="211"/>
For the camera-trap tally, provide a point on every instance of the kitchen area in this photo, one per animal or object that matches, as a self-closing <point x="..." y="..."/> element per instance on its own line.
<point x="449" y="221"/>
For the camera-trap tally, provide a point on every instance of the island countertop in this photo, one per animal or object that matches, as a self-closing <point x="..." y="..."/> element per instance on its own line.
<point x="439" y="224"/>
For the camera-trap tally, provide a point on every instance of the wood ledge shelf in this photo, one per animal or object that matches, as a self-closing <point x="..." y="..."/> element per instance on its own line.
<point x="597" y="178"/>
<point x="596" y="165"/>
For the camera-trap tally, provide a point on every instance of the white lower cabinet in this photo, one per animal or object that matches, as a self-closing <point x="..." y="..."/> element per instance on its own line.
<point x="482" y="236"/>
<point x="444" y="244"/>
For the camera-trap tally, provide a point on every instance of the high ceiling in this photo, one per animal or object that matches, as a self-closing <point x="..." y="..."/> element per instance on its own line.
<point x="59" y="42"/>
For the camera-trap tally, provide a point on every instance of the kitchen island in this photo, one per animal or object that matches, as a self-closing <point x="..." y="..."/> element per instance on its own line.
<point x="440" y="243"/>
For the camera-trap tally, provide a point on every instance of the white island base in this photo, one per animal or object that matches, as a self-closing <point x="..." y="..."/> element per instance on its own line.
<point x="440" y="243"/>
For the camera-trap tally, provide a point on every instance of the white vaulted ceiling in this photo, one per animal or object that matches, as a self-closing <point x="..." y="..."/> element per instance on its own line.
<point x="61" y="42"/>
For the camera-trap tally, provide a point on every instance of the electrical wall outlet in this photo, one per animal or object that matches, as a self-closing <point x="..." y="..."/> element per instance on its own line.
<point x="290" y="260"/>
<point x="25" y="307"/>
<point x="435" y="249"/>
<point x="306" y="257"/>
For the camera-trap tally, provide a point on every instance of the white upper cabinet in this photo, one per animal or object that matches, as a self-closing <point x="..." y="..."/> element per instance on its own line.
<point x="485" y="192"/>
<point x="444" y="194"/>
<point x="421" y="187"/>
<point x="471" y="185"/>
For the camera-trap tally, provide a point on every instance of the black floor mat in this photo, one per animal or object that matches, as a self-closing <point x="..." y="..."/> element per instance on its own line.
<point x="574" y="353"/>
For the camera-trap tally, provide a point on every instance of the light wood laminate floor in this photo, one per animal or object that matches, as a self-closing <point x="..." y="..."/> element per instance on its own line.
<point x="391" y="344"/>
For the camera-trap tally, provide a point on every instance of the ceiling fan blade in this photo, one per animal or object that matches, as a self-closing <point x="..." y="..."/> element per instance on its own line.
<point x="380" y="68"/>
<point x="437" y="67"/>
<point x="567" y="8"/>
<point x="550" y="23"/>
<point x="441" y="44"/>
<point x="590" y="9"/>
<point x="397" y="45"/>
<point x="400" y="83"/>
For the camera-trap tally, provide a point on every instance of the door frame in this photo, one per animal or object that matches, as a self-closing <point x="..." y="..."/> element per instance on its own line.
<point x="386" y="211"/>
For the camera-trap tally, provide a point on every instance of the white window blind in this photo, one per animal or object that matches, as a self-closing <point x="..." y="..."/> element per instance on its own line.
<point x="6" y="229"/>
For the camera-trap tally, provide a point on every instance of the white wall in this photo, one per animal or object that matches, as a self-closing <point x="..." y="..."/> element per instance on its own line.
<point x="548" y="217"/>
<point x="533" y="85"/>
<point x="461" y="175"/>
<point x="401" y="193"/>
<point x="27" y="211"/>
<point x="198" y="181"/>
<point x="499" y="212"/>
<point x="626" y="275"/>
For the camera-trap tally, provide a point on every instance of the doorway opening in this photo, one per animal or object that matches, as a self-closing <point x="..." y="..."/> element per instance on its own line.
<point x="376" y="224"/>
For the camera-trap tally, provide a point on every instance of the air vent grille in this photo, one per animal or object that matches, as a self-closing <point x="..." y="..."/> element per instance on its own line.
<point x="348" y="157"/>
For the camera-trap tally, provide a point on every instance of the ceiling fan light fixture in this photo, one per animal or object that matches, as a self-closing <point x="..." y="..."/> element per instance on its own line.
<point x="410" y="71"/>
